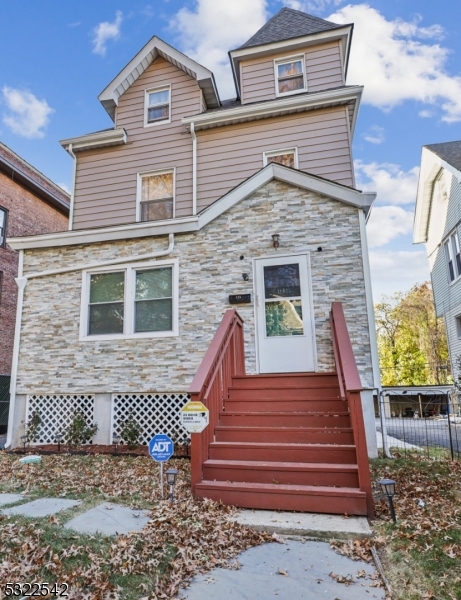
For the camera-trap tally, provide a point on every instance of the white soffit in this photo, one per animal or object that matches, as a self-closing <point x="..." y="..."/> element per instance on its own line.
<point x="100" y="139"/>
<point x="135" y="68"/>
<point x="272" y="171"/>
<point x="431" y="165"/>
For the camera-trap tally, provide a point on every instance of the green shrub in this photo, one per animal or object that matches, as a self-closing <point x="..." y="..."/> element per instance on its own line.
<point x="130" y="431"/>
<point x="33" y="426"/>
<point x="79" y="431"/>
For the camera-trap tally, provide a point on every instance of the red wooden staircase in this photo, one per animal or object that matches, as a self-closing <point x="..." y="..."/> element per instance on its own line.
<point x="280" y="441"/>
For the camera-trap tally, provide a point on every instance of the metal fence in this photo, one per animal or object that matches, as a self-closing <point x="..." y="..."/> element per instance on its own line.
<point x="429" y="423"/>
<point x="4" y="402"/>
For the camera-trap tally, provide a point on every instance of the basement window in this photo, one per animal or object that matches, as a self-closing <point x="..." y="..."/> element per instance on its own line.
<point x="157" y="106"/>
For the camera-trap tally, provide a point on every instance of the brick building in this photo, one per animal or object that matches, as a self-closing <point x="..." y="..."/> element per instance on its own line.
<point x="30" y="204"/>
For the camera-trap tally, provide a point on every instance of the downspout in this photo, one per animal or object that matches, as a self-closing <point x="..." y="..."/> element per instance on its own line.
<point x="72" y="195"/>
<point x="21" y="283"/>
<point x="194" y="169"/>
<point x="372" y="323"/>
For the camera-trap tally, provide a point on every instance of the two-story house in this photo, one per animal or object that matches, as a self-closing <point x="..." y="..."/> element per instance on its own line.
<point x="30" y="204"/>
<point x="437" y="224"/>
<point x="189" y="206"/>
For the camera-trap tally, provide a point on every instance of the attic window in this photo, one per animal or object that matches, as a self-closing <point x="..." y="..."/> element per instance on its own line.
<point x="157" y="106"/>
<point x="287" y="157"/>
<point x="290" y="77"/>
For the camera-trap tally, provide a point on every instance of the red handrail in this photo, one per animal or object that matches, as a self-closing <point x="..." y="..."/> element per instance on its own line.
<point x="224" y="359"/>
<point x="350" y="388"/>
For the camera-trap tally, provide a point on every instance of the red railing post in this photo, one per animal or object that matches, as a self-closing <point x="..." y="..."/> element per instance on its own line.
<point x="223" y="360"/>
<point x="350" y="387"/>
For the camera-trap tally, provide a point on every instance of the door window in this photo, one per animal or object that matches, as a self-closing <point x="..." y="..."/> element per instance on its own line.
<point x="282" y="298"/>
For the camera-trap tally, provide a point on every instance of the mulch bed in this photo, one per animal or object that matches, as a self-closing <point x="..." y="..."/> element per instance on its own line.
<point x="122" y="450"/>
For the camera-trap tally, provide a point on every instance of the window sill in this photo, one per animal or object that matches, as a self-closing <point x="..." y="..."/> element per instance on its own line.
<point x="156" y="123"/>
<point x="283" y="94"/>
<point x="131" y="336"/>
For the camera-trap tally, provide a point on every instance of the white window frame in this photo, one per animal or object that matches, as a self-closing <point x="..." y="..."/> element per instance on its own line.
<point x="287" y="59"/>
<point x="458" y="326"/>
<point x="139" y="191"/>
<point x="292" y="150"/>
<point x="146" y="105"/>
<point x="451" y="244"/>
<point x="128" y="301"/>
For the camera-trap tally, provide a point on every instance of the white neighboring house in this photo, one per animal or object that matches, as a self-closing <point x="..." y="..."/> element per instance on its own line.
<point x="437" y="224"/>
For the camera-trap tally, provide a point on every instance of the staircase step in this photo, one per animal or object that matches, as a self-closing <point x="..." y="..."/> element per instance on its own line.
<point x="285" y="393"/>
<point x="268" y="496"/>
<point x="281" y="380"/>
<point x="288" y="473"/>
<point x="285" y="419"/>
<point x="312" y="453"/>
<point x="283" y="405"/>
<point x="294" y="435"/>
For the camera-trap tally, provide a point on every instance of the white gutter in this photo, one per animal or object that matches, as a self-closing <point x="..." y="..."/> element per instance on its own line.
<point x="106" y="263"/>
<point x="21" y="283"/>
<point x="72" y="194"/>
<point x="194" y="169"/>
<point x="22" y="280"/>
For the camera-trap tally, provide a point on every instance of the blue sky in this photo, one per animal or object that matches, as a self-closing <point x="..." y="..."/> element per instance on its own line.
<point x="56" y="57"/>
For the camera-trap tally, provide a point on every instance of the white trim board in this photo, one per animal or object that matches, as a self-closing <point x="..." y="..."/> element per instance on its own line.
<point x="306" y="181"/>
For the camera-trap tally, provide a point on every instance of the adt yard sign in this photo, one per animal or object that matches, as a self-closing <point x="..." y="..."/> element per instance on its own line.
<point x="195" y="417"/>
<point x="161" y="447"/>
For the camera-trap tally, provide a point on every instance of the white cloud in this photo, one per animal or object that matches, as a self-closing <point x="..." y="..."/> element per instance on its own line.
<point x="313" y="6"/>
<point x="65" y="187"/>
<point x="398" y="61"/>
<point x="386" y="223"/>
<point x="397" y="271"/>
<point x="393" y="184"/>
<point x="104" y="32"/>
<point x="425" y="114"/>
<point x="211" y="28"/>
<point x="28" y="116"/>
<point x="375" y="135"/>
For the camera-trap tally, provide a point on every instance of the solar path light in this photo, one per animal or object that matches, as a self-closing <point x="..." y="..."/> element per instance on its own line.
<point x="171" y="476"/>
<point x="388" y="488"/>
<point x="116" y="439"/>
<point x="58" y="439"/>
<point x="24" y="441"/>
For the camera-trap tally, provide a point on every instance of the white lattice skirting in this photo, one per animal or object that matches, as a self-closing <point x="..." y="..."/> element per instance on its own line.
<point x="56" y="412"/>
<point x="155" y="413"/>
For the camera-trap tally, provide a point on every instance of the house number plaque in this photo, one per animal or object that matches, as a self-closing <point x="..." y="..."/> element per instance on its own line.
<point x="240" y="299"/>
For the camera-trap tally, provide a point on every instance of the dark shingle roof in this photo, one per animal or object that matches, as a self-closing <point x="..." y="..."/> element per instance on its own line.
<point x="450" y="152"/>
<point x="287" y="24"/>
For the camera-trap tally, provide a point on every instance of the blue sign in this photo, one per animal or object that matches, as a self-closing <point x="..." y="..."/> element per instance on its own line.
<point x="161" y="447"/>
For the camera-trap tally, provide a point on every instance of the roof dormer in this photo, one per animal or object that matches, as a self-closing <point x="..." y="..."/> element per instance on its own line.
<point x="292" y="53"/>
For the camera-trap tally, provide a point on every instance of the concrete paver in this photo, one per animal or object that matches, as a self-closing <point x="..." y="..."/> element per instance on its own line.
<point x="10" y="498"/>
<point x="109" y="519"/>
<point x="318" y="526"/>
<point x="43" y="507"/>
<point x="290" y="571"/>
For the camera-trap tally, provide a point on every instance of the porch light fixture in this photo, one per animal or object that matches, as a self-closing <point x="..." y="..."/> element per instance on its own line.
<point x="58" y="439"/>
<point x="276" y="240"/>
<point x="24" y="441"/>
<point x="116" y="438"/>
<point x="245" y="276"/>
<point x="388" y="488"/>
<point x="171" y="476"/>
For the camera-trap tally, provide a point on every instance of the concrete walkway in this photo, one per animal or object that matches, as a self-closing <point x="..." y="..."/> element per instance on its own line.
<point x="291" y="571"/>
<point x="109" y="519"/>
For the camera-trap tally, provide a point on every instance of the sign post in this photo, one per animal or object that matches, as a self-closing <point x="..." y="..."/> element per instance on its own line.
<point x="161" y="448"/>
<point x="195" y="417"/>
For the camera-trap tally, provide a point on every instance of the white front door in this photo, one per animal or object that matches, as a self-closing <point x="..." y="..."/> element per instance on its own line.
<point x="283" y="315"/>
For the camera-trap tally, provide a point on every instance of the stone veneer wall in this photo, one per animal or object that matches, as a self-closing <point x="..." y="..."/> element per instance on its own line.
<point x="53" y="360"/>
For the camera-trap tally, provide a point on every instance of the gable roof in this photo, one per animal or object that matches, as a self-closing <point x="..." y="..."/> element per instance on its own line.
<point x="306" y="181"/>
<point x="143" y="59"/>
<point x="27" y="176"/>
<point x="450" y="152"/>
<point x="287" y="24"/>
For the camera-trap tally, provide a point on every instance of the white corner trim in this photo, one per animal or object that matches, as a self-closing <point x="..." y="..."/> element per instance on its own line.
<point x="129" y="269"/>
<point x="296" y="103"/>
<point x="194" y="168"/>
<point x="100" y="139"/>
<point x="278" y="152"/>
<point x="72" y="193"/>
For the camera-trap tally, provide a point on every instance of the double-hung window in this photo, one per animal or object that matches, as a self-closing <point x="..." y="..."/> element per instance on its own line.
<point x="158" y="106"/>
<point x="290" y="77"/>
<point x="130" y="301"/>
<point x="3" y="216"/>
<point x="156" y="196"/>
<point x="452" y="256"/>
